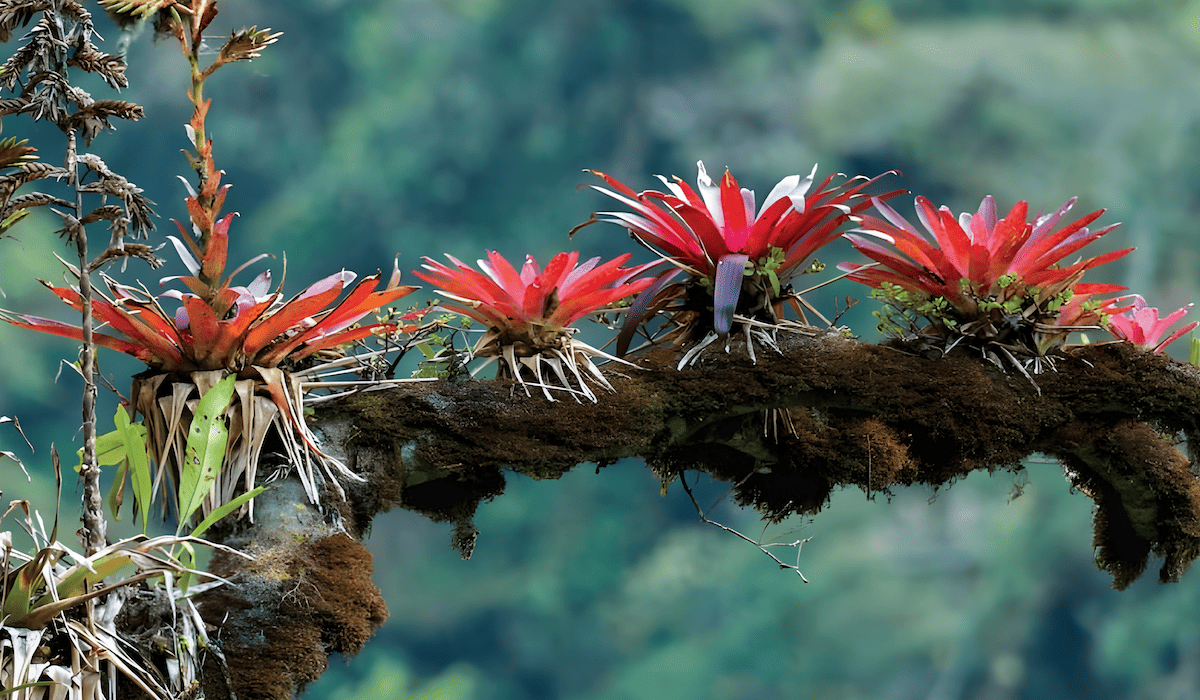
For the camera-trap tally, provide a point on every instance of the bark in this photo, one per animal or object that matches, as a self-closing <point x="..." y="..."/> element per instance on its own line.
<point x="786" y="431"/>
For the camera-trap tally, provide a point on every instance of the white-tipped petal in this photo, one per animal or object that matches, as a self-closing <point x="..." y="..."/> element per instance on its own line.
<point x="787" y="187"/>
<point x="807" y="182"/>
<point x="261" y="285"/>
<point x="877" y="234"/>
<point x="185" y="255"/>
<point x="893" y="216"/>
<point x="748" y="201"/>
<point x="711" y="194"/>
<point x="673" y="186"/>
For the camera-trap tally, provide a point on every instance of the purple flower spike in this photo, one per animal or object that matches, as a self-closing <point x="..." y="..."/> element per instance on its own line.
<point x="727" y="287"/>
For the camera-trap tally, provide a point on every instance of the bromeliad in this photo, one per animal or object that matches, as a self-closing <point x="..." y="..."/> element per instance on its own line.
<point x="997" y="282"/>
<point x="220" y="329"/>
<point x="528" y="314"/>
<point x="223" y="329"/>
<point x="740" y="257"/>
<point x="1140" y="324"/>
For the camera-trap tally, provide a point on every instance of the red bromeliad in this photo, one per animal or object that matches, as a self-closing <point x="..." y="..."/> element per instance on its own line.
<point x="220" y="329"/>
<point x="997" y="280"/>
<point x="744" y="256"/>
<point x="528" y="314"/>
<point x="1140" y="324"/>
<point x="225" y="329"/>
<point x="240" y="329"/>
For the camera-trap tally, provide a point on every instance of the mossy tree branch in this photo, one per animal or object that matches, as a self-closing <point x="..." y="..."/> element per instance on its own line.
<point x="786" y="431"/>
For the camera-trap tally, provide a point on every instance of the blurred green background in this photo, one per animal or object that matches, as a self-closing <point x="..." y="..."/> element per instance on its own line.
<point x="420" y="127"/>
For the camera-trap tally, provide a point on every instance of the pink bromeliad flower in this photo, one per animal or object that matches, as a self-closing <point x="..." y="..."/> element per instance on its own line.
<point x="975" y="258"/>
<point x="529" y="313"/>
<point x="982" y="276"/>
<point x="1140" y="324"/>
<point x="742" y="253"/>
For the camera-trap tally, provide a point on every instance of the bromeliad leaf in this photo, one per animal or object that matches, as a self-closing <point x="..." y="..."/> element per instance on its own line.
<point x="529" y="313"/>
<point x="1140" y="324"/>
<point x="980" y="276"/>
<point x="205" y="448"/>
<point x="694" y="229"/>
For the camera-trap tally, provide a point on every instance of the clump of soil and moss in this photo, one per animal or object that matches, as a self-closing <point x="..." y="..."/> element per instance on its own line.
<point x="306" y="594"/>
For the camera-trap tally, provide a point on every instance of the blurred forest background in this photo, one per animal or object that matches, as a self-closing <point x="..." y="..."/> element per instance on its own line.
<point x="418" y="127"/>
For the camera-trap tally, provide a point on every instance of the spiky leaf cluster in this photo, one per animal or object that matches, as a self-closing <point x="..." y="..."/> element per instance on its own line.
<point x="107" y="182"/>
<point x="997" y="283"/>
<point x="138" y="9"/>
<point x="37" y="75"/>
<point x="60" y="39"/>
<point x="245" y="45"/>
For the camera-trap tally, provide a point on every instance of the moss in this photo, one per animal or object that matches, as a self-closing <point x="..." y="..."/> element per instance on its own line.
<point x="317" y="600"/>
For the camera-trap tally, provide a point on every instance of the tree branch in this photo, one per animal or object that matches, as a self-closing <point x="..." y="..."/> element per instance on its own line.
<point x="827" y="413"/>
<point x="785" y="432"/>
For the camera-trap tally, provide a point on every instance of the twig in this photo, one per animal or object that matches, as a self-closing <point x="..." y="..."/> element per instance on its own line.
<point x="798" y="544"/>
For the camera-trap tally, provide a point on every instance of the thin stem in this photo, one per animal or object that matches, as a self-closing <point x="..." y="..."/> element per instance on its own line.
<point x="94" y="525"/>
<point x="197" y="93"/>
<point x="798" y="544"/>
<point x="191" y="51"/>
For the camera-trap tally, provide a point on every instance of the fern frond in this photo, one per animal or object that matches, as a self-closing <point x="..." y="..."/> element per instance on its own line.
<point x="136" y="205"/>
<point x="33" y="199"/>
<point x="27" y="173"/>
<point x="13" y="105"/>
<point x="108" y="212"/>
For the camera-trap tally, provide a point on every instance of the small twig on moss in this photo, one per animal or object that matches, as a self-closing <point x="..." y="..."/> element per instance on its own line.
<point x="798" y="544"/>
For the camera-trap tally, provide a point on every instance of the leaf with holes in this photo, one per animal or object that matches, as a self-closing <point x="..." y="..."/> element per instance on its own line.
<point x="205" y="448"/>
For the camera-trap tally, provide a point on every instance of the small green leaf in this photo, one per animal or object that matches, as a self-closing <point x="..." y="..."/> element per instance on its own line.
<point x="224" y="510"/>
<point x="23" y="686"/>
<point x="133" y="435"/>
<point x="774" y="282"/>
<point x="110" y="450"/>
<point x="188" y="558"/>
<point x="73" y="584"/>
<point x="206" y="442"/>
<point x="12" y="219"/>
<point x="25" y="582"/>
